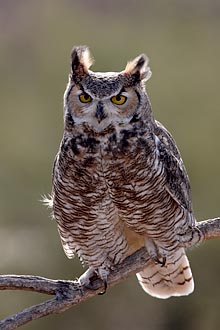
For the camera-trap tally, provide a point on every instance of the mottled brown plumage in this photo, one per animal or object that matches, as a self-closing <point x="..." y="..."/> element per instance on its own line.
<point x="119" y="182"/>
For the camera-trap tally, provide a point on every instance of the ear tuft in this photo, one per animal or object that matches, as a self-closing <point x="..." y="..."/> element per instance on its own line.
<point x="80" y="62"/>
<point x="139" y="68"/>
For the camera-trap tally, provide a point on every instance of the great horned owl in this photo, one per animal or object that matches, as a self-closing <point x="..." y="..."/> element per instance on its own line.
<point x="119" y="183"/>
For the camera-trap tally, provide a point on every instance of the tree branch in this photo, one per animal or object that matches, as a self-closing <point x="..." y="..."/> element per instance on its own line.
<point x="69" y="293"/>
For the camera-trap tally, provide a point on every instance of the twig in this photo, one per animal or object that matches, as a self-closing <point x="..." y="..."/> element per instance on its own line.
<point x="69" y="293"/>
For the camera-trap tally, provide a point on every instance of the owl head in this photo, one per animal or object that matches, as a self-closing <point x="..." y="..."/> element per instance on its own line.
<point x="104" y="99"/>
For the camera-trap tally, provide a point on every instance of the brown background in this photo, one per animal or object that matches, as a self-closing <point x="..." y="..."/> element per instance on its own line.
<point x="182" y="40"/>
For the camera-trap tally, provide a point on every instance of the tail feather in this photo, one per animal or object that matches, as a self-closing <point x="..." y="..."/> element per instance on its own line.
<point x="174" y="279"/>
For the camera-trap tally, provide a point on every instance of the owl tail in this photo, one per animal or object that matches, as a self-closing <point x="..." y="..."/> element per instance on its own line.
<point x="173" y="279"/>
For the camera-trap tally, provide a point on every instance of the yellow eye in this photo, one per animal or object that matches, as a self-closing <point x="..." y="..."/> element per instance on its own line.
<point x="119" y="99"/>
<point x="85" y="98"/>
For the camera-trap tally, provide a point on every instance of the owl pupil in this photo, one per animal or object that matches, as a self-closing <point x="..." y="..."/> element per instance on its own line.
<point x="118" y="98"/>
<point x="86" y="96"/>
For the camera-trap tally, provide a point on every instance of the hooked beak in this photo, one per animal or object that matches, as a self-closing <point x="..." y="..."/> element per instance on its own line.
<point x="100" y="112"/>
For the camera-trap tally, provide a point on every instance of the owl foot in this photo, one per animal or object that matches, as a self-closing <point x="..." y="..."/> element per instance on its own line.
<point x="191" y="237"/>
<point x="160" y="262"/>
<point x="105" y="288"/>
<point x="103" y="274"/>
<point x="88" y="279"/>
<point x="155" y="253"/>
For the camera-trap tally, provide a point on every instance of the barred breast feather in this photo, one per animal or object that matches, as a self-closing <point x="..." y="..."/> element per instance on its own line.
<point x="111" y="195"/>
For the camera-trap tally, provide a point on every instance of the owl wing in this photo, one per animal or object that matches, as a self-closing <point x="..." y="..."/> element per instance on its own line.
<point x="177" y="181"/>
<point x="65" y="234"/>
<point x="175" y="278"/>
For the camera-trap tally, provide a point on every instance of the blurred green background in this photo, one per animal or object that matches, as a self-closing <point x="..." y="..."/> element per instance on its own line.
<point x="182" y="40"/>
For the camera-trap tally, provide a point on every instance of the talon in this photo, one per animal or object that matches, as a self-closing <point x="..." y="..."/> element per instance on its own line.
<point x="161" y="262"/>
<point x="156" y="252"/>
<point x="105" y="288"/>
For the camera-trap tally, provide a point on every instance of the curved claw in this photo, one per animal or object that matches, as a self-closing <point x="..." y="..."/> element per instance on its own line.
<point x="156" y="253"/>
<point x="105" y="288"/>
<point x="161" y="262"/>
